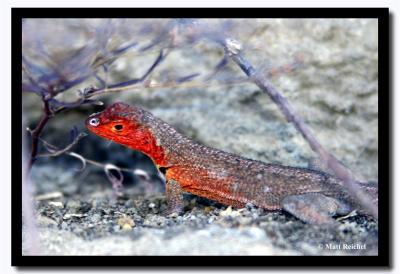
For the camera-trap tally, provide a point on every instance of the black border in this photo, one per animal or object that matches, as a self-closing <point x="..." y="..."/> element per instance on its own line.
<point x="383" y="258"/>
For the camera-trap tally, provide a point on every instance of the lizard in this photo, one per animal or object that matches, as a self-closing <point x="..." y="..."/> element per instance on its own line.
<point x="310" y="195"/>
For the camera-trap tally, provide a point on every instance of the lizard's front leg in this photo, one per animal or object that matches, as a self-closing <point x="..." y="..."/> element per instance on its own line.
<point x="174" y="196"/>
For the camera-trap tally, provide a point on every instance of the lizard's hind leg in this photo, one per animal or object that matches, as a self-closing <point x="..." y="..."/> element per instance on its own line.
<point x="314" y="208"/>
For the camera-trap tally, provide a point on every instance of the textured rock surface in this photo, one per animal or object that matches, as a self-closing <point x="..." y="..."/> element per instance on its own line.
<point x="335" y="91"/>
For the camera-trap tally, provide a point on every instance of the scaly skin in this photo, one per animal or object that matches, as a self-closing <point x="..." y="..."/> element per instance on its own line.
<point x="217" y="175"/>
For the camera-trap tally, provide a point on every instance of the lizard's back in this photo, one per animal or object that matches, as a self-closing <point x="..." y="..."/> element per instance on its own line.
<point x="235" y="180"/>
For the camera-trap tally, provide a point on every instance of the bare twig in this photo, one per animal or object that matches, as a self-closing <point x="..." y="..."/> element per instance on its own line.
<point x="116" y="181"/>
<point x="55" y="151"/>
<point x="35" y="134"/>
<point x="170" y="84"/>
<point x="128" y="84"/>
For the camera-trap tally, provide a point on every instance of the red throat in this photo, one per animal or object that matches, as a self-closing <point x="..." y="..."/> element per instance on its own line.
<point x="145" y="142"/>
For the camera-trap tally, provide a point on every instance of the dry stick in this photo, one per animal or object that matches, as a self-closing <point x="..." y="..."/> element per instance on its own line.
<point x="193" y="84"/>
<point x="233" y="48"/>
<point x="55" y="151"/>
<point x="35" y="134"/>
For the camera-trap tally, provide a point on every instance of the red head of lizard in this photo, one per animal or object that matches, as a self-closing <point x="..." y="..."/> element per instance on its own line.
<point x="127" y="125"/>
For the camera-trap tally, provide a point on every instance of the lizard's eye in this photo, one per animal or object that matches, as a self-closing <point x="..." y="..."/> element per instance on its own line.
<point x="94" y="122"/>
<point x="118" y="127"/>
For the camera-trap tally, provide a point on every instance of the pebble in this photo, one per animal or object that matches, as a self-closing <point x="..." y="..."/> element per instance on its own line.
<point x="70" y="215"/>
<point x="49" y="196"/>
<point x="126" y="223"/>
<point x="173" y="215"/>
<point x="74" y="204"/>
<point x="46" y="221"/>
<point x="229" y="213"/>
<point x="56" y="204"/>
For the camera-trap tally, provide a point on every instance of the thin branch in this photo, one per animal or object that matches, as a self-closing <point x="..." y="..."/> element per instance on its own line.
<point x="128" y="84"/>
<point x="116" y="182"/>
<point x="221" y="64"/>
<point x="54" y="151"/>
<point x="171" y="84"/>
<point x="35" y="134"/>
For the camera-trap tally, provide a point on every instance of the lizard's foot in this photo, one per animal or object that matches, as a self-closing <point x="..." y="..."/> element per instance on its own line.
<point x="314" y="208"/>
<point x="173" y="211"/>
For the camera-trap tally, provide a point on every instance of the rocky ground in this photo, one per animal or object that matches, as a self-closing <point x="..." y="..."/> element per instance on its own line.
<point x="334" y="90"/>
<point x="96" y="222"/>
<point x="134" y="226"/>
